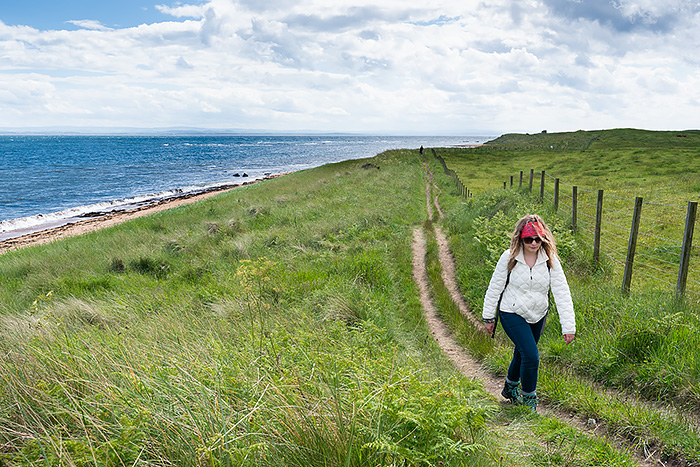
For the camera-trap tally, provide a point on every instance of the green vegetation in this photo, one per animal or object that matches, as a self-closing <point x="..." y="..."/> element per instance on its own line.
<point x="599" y="139"/>
<point x="273" y="325"/>
<point x="645" y="346"/>
<point x="659" y="167"/>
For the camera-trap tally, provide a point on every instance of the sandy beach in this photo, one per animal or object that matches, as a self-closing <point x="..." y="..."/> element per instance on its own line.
<point x="108" y="220"/>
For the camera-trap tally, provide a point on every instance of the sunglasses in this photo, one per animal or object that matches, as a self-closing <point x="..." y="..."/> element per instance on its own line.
<point x="528" y="240"/>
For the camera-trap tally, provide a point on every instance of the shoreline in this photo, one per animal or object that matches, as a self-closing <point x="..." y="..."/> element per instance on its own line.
<point x="71" y="229"/>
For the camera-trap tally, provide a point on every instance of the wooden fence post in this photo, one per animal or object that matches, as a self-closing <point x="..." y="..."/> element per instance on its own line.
<point x="574" y="208"/>
<point x="532" y="175"/>
<point x="511" y="181"/>
<point x="632" y="246"/>
<point x="520" y="185"/>
<point x="687" y="246"/>
<point x="542" y="188"/>
<point x="556" y="194"/>
<point x="598" y="222"/>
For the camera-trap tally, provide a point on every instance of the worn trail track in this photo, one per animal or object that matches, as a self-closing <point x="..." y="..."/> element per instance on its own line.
<point x="462" y="360"/>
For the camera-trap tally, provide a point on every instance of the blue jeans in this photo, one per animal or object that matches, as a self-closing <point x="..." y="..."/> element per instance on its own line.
<point x="526" y="357"/>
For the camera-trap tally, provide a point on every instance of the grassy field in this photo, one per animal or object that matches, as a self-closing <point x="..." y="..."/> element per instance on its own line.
<point x="645" y="345"/>
<point x="659" y="167"/>
<point x="274" y="325"/>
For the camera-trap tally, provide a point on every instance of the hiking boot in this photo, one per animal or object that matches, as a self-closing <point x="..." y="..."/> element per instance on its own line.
<point x="530" y="400"/>
<point x="511" y="391"/>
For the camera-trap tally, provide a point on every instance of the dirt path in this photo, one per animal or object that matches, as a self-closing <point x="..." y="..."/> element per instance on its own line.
<point x="461" y="359"/>
<point x="464" y="362"/>
<point x="449" y="278"/>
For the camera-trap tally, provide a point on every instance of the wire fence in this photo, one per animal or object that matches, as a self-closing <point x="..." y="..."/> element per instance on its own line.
<point x="461" y="187"/>
<point x="648" y="244"/>
<point x="656" y="248"/>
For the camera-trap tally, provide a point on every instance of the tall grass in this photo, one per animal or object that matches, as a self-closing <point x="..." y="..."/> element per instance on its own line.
<point x="276" y="324"/>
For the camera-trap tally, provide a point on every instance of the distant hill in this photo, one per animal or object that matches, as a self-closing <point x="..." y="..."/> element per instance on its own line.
<point x="598" y="139"/>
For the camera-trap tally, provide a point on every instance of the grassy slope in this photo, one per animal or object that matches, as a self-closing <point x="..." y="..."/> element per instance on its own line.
<point x="646" y="343"/>
<point x="659" y="166"/>
<point x="273" y="325"/>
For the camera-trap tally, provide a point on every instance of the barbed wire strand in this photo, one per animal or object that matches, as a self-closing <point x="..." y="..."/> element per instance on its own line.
<point x="662" y="222"/>
<point x="649" y="275"/>
<point x="605" y="225"/>
<point x="586" y="215"/>
<point x="622" y="263"/>
<point x="619" y="253"/>
<point x="660" y="238"/>
<point x="666" y="205"/>
<point x="656" y="258"/>
<point x="621" y="242"/>
<point x="608" y="210"/>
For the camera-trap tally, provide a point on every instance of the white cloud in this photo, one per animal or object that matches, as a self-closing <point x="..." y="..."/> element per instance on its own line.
<point x="650" y="11"/>
<point x="184" y="11"/>
<point x="363" y="66"/>
<point x="89" y="24"/>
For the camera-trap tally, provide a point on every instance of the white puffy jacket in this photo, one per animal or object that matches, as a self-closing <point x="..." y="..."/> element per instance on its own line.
<point x="527" y="293"/>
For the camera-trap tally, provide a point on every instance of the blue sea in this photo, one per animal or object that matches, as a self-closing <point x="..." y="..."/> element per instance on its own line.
<point x="47" y="181"/>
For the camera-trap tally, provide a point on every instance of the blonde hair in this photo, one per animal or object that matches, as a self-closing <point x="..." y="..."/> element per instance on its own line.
<point x="516" y="243"/>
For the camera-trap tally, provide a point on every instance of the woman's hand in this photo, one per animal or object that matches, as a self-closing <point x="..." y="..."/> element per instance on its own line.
<point x="490" y="327"/>
<point x="569" y="338"/>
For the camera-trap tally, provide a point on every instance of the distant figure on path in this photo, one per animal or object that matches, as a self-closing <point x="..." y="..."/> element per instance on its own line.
<point x="421" y="150"/>
<point x="518" y="294"/>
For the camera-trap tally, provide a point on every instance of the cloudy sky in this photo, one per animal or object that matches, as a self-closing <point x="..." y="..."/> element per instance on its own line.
<point x="403" y="67"/>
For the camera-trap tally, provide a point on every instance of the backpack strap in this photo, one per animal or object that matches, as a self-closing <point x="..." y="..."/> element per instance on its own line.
<point x="498" y="306"/>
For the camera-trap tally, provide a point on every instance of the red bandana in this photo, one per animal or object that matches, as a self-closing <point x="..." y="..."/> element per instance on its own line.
<point x="532" y="229"/>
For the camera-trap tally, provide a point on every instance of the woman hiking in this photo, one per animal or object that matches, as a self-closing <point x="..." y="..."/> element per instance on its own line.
<point x="518" y="295"/>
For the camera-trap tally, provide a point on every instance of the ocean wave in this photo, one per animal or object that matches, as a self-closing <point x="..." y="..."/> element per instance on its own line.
<point x="69" y="179"/>
<point x="13" y="228"/>
<point x="82" y="211"/>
